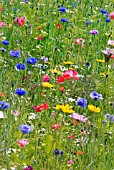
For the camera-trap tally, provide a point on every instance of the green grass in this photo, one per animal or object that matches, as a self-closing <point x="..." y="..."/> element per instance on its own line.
<point x="58" y="46"/>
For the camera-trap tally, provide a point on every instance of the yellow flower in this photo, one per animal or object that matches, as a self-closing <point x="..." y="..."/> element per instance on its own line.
<point x="65" y="108"/>
<point x="46" y="84"/>
<point x="46" y="62"/>
<point x="55" y="71"/>
<point x="100" y="61"/>
<point x="93" y="108"/>
<point x="68" y="62"/>
<point x="71" y="68"/>
<point x="103" y="74"/>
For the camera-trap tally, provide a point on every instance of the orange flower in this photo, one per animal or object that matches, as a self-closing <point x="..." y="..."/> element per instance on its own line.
<point x="38" y="28"/>
<point x="79" y="152"/>
<point x="62" y="88"/>
<point x="2" y="94"/>
<point x="0" y="8"/>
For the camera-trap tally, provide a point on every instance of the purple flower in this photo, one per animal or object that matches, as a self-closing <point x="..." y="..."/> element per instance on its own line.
<point x="64" y="20"/>
<point x="94" y="32"/>
<point x="87" y="22"/>
<point x="15" y="54"/>
<point x="62" y="9"/>
<point x="25" y="128"/>
<point x="78" y="117"/>
<point x="70" y="162"/>
<point x="5" y="42"/>
<point x="4" y="105"/>
<point x="107" y="53"/>
<point x="82" y="102"/>
<point x="110" y="117"/>
<point x="28" y="168"/>
<point x="57" y="152"/>
<point x="96" y="96"/>
<point x="20" y="92"/>
<point x="3" y="49"/>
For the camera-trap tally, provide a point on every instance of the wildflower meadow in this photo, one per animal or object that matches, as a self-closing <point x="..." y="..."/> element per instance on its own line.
<point x="56" y="85"/>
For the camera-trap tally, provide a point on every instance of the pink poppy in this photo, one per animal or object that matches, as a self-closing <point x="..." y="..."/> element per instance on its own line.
<point x="71" y="137"/>
<point x="78" y="117"/>
<point x="112" y="56"/>
<point x="2" y="24"/>
<point x="23" y="142"/>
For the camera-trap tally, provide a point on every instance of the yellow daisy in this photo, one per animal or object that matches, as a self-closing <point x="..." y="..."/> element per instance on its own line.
<point x="46" y="84"/>
<point x="100" y="61"/>
<point x="94" y="108"/>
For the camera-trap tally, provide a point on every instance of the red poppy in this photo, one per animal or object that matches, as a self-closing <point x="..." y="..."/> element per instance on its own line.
<point x="39" y="38"/>
<point x="112" y="15"/>
<point x="41" y="107"/>
<point x="60" y="79"/>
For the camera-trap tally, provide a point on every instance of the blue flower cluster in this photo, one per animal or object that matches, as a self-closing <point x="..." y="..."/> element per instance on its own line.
<point x="20" y="66"/>
<point x="64" y="20"/>
<point x="62" y="9"/>
<point x="15" y="54"/>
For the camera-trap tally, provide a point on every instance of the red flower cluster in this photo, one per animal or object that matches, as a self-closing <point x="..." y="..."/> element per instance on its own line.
<point x="54" y="126"/>
<point x="41" y="107"/>
<point x="20" y="21"/>
<point x="69" y="74"/>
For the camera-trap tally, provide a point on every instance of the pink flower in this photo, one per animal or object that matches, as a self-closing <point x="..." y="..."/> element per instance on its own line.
<point x="70" y="162"/>
<point x="71" y="74"/>
<point x="78" y="117"/>
<point x="71" y="136"/>
<point x="15" y="113"/>
<point x="20" y="21"/>
<point x="112" y="15"/>
<point x="45" y="78"/>
<point x="80" y="41"/>
<point x="54" y="126"/>
<point x="23" y="142"/>
<point x="2" y="24"/>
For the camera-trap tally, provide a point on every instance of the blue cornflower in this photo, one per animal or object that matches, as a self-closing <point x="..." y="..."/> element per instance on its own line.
<point x="87" y="22"/>
<point x="25" y="128"/>
<point x="15" y="54"/>
<point x="5" y="42"/>
<point x="25" y="1"/>
<point x="4" y="105"/>
<point x="31" y="60"/>
<point x="103" y="11"/>
<point x="108" y="20"/>
<point x="57" y="152"/>
<point x="62" y="9"/>
<point x="110" y="117"/>
<point x="82" y="102"/>
<point x="20" y="92"/>
<point x="87" y="64"/>
<point x="3" y="49"/>
<point x="96" y="96"/>
<point x="64" y="20"/>
<point x="20" y="66"/>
